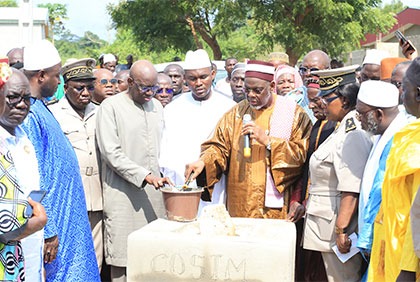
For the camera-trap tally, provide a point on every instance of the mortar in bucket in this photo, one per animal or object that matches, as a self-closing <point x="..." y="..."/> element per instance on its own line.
<point x="181" y="204"/>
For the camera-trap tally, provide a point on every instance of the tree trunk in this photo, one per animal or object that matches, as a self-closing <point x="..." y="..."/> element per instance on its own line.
<point x="194" y="33"/>
<point x="293" y="58"/>
<point x="211" y="41"/>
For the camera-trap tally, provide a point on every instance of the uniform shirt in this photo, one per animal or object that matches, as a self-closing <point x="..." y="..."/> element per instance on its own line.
<point x="336" y="166"/>
<point x="81" y="133"/>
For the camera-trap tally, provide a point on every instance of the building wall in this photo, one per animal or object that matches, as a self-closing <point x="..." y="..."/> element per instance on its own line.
<point x="22" y="25"/>
<point x="412" y="34"/>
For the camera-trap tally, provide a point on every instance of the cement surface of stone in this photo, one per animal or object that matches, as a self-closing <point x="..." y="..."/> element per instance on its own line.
<point x="261" y="250"/>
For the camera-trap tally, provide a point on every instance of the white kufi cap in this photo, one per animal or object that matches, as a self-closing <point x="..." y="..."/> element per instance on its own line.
<point x="109" y="58"/>
<point x="195" y="60"/>
<point x="378" y="93"/>
<point x="375" y="56"/>
<point x="40" y="55"/>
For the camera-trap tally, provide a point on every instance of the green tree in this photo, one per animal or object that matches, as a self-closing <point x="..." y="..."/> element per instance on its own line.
<point x="8" y="3"/>
<point x="395" y="6"/>
<point x="57" y="13"/>
<point x="335" y="26"/>
<point x="181" y="25"/>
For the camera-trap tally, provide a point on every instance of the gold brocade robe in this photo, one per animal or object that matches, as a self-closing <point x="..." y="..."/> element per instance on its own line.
<point x="246" y="177"/>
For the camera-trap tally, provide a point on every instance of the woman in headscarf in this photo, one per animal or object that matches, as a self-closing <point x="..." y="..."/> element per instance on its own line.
<point x="288" y="82"/>
<point x="336" y="169"/>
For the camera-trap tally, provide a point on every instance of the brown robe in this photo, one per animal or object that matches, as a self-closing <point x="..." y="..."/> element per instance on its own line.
<point x="246" y="177"/>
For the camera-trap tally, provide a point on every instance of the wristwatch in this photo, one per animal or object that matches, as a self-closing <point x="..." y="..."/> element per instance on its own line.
<point x="339" y="230"/>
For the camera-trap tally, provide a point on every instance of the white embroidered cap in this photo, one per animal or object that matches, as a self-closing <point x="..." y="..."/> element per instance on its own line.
<point x="375" y="56"/>
<point x="109" y="58"/>
<point x="378" y="93"/>
<point x="40" y="55"/>
<point x="198" y="59"/>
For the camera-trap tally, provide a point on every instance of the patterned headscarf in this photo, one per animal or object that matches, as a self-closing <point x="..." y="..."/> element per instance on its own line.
<point x="282" y="69"/>
<point x="5" y="71"/>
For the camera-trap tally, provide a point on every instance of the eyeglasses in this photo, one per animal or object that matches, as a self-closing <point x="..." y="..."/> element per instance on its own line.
<point x="305" y="70"/>
<point x="105" y="81"/>
<point x="167" y="90"/>
<point x="257" y="91"/>
<point x="359" y="115"/>
<point x="14" y="100"/>
<point x="329" y="100"/>
<point x="396" y="83"/>
<point x="83" y="87"/>
<point x="145" y="89"/>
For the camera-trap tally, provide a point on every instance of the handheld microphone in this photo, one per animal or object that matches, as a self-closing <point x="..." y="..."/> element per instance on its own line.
<point x="247" y="148"/>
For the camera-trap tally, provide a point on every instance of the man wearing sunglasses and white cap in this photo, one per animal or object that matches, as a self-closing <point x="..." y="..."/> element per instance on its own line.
<point x="77" y="117"/>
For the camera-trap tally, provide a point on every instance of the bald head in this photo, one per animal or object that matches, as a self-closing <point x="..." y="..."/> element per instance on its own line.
<point x="163" y="78"/>
<point x="142" y="69"/>
<point x="15" y="56"/>
<point x="122" y="83"/>
<point x="104" y="86"/>
<point x="319" y="58"/>
<point x="314" y="60"/>
<point x="143" y="77"/>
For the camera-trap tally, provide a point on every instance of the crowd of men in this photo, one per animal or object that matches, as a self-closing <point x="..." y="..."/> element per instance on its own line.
<point x="333" y="150"/>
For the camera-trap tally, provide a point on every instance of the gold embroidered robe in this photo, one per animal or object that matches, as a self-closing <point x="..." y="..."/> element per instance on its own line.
<point x="246" y="177"/>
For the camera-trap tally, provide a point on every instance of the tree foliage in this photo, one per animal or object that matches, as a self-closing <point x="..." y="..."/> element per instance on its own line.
<point x="333" y="26"/>
<point x="57" y="13"/>
<point x="395" y="7"/>
<point x="8" y="3"/>
<point x="179" y="24"/>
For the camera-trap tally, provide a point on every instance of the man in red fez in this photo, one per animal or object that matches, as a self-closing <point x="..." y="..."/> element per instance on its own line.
<point x="260" y="185"/>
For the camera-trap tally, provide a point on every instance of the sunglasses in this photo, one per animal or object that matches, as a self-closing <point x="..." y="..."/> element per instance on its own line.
<point x="105" y="81"/>
<point x="167" y="91"/>
<point x="81" y="88"/>
<point x="144" y="89"/>
<point x="305" y="70"/>
<point x="13" y="101"/>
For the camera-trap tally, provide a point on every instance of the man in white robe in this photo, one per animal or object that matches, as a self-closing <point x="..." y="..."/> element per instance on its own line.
<point x="190" y="120"/>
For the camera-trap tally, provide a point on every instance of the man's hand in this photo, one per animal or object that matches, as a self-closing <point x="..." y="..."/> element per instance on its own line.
<point x="343" y="243"/>
<point x="36" y="222"/>
<point x="296" y="212"/>
<point x="50" y="249"/>
<point x="255" y="133"/>
<point x="194" y="168"/>
<point x="408" y="50"/>
<point x="158" y="182"/>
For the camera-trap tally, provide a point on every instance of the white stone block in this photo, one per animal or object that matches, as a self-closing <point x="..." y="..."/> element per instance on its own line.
<point x="262" y="250"/>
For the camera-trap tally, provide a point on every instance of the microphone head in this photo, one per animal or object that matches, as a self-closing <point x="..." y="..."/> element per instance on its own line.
<point x="247" y="118"/>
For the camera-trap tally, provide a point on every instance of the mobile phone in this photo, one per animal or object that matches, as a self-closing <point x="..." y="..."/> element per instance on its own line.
<point x="37" y="196"/>
<point x="403" y="39"/>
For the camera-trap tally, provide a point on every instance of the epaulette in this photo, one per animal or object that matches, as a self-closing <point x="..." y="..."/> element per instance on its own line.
<point x="350" y="125"/>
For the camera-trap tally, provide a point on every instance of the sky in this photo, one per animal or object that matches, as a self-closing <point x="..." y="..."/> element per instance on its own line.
<point x="91" y="15"/>
<point x="86" y="15"/>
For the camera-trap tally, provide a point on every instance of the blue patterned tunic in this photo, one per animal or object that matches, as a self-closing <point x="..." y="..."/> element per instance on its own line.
<point x="65" y="200"/>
